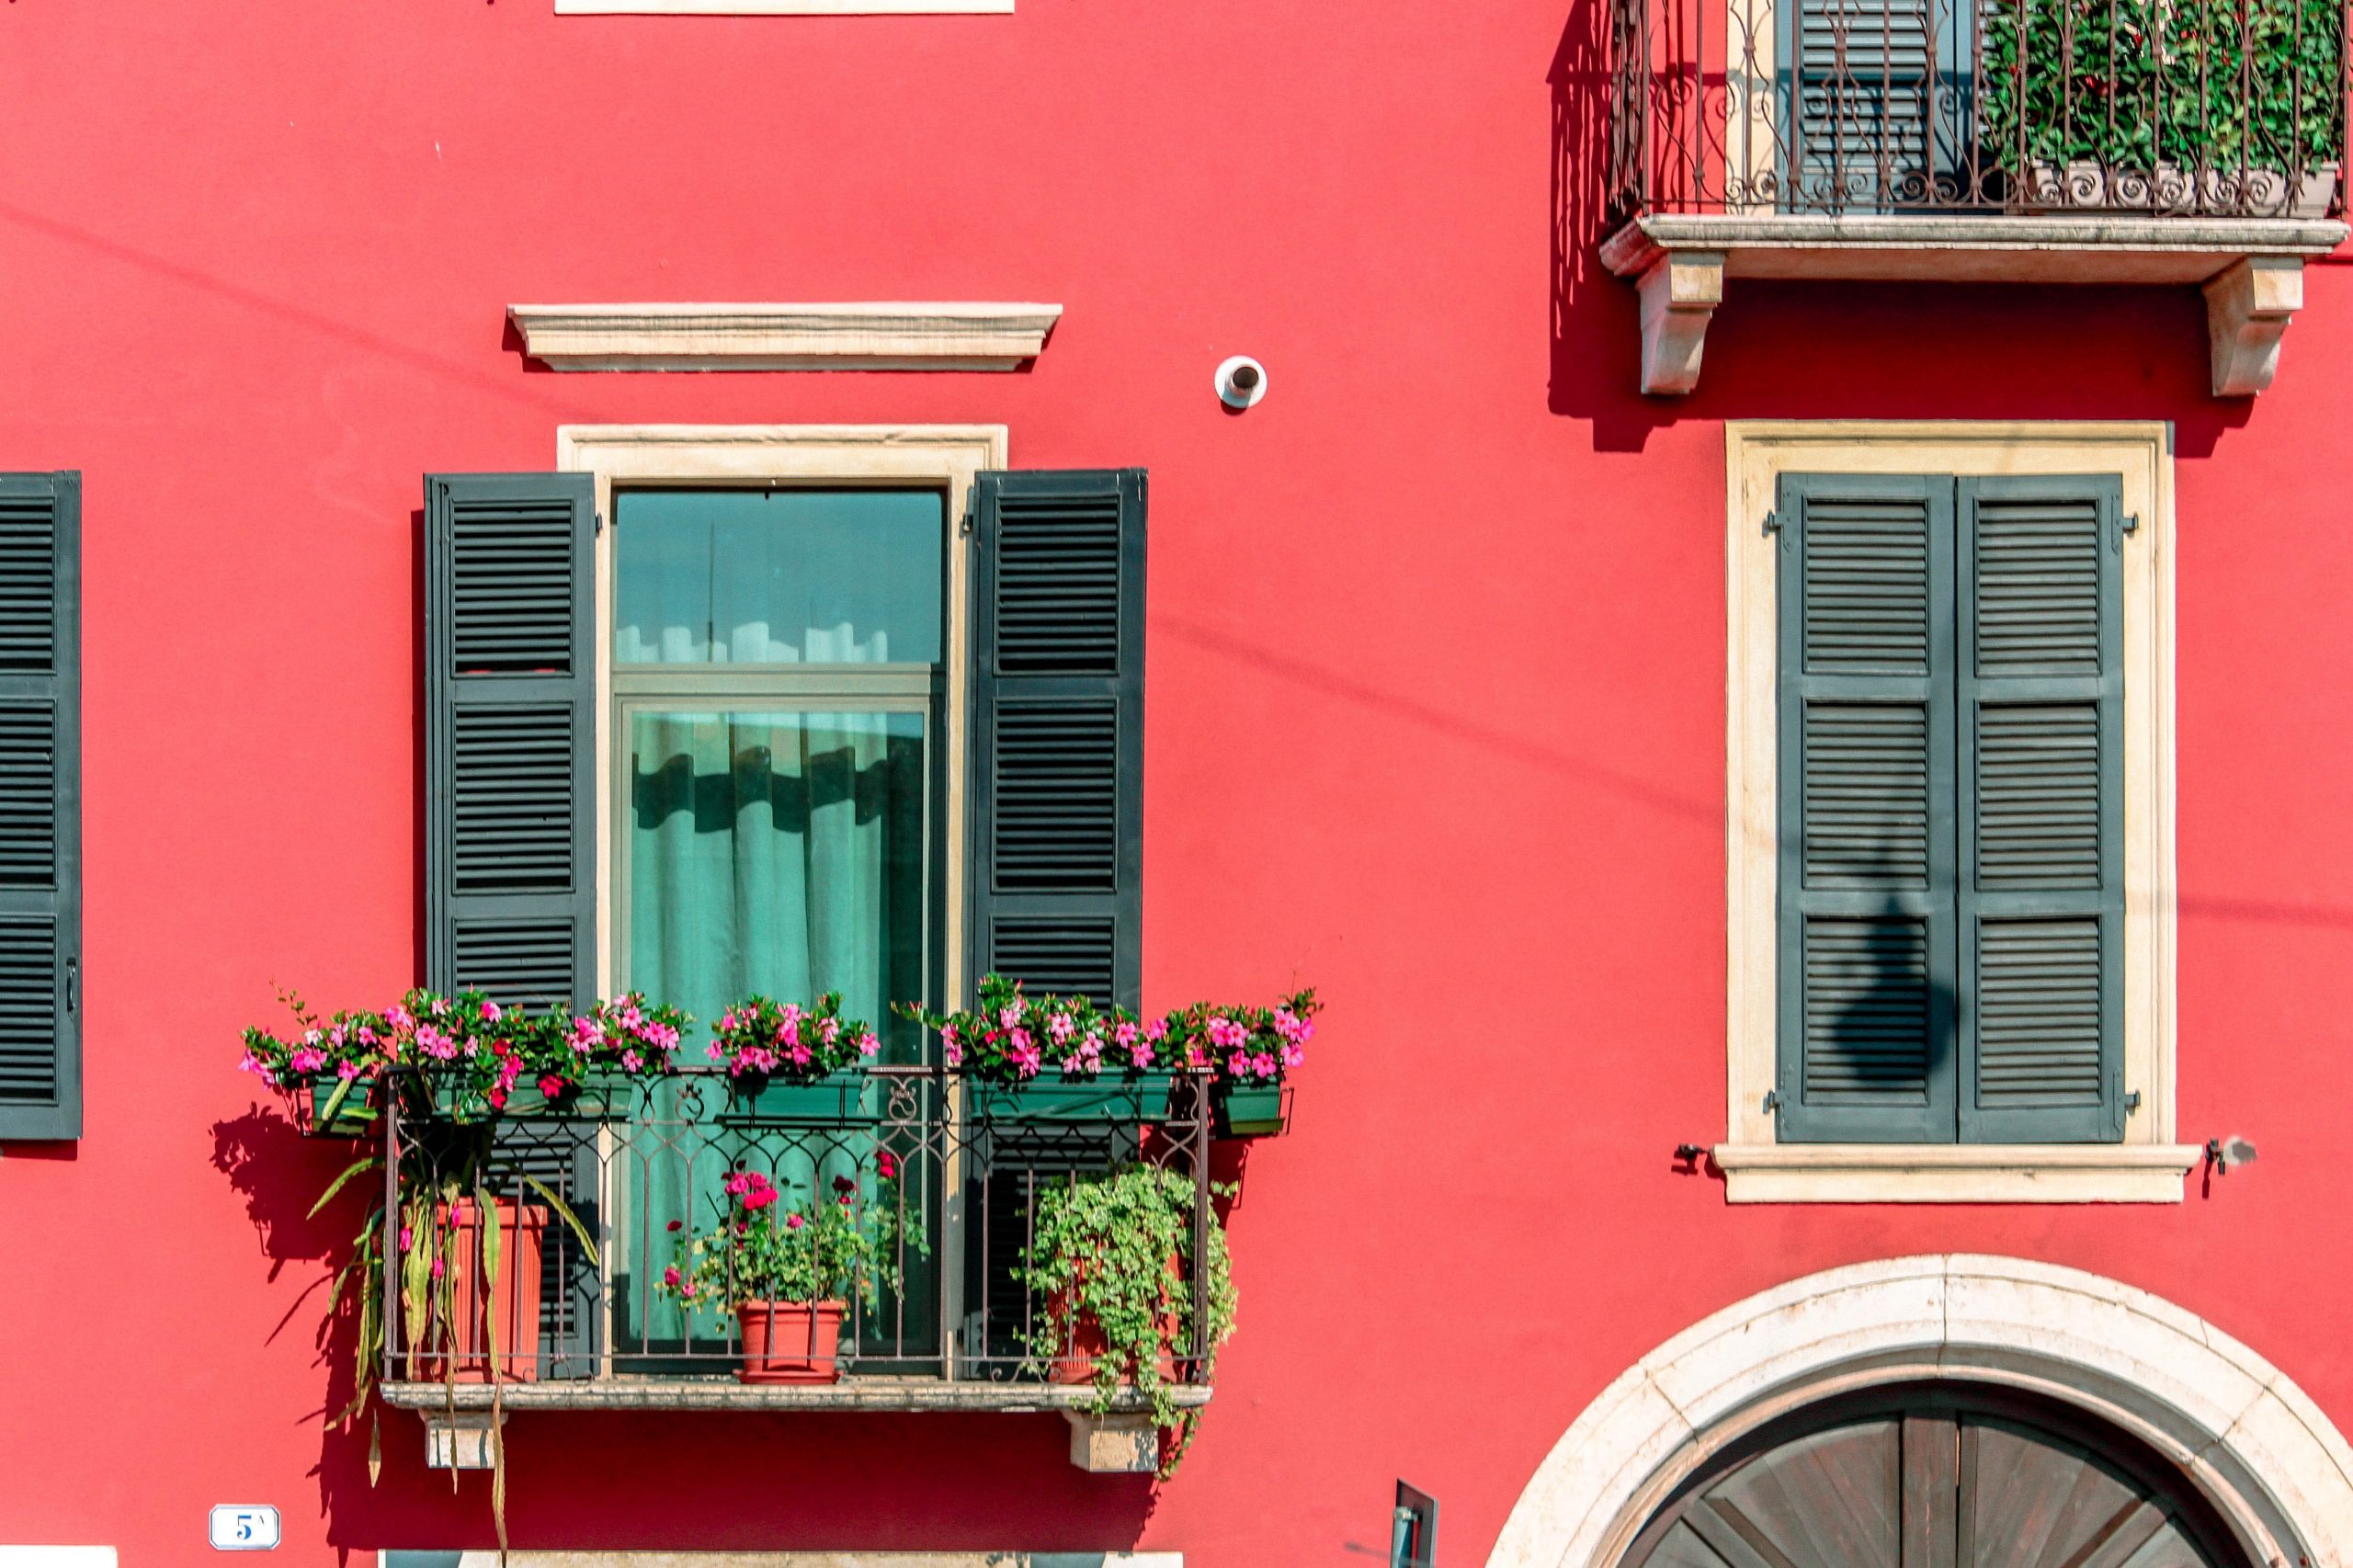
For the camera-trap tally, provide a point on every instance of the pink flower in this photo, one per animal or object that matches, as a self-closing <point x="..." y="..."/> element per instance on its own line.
<point x="793" y="1222"/>
<point x="1061" y="1029"/>
<point x="399" y="1018"/>
<point x="1008" y="1016"/>
<point x="670" y="1276"/>
<point x="552" y="1085"/>
<point x="437" y="1269"/>
<point x="347" y="1069"/>
<point x="309" y="1059"/>
<point x="867" y="1045"/>
<point x="1293" y="1055"/>
<point x="404" y="1238"/>
<point x="490" y="1012"/>
<point x="1264" y="1064"/>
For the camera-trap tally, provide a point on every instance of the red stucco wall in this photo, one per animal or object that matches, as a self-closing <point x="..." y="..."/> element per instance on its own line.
<point x="1436" y="712"/>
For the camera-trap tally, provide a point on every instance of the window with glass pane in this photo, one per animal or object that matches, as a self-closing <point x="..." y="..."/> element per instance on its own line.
<point x="776" y="680"/>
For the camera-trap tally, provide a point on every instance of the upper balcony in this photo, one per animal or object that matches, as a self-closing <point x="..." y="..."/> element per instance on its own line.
<point x="2000" y="140"/>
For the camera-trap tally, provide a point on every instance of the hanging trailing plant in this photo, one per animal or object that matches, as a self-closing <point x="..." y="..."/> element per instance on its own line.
<point x="1111" y="1258"/>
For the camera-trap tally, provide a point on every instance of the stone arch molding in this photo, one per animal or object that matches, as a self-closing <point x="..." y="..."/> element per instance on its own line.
<point x="2280" y="1474"/>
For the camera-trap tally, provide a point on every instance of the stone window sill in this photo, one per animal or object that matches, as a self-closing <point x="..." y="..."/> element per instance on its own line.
<point x="1953" y="1172"/>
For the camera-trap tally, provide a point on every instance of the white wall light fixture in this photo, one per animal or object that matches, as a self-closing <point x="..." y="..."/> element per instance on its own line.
<point x="1241" y="382"/>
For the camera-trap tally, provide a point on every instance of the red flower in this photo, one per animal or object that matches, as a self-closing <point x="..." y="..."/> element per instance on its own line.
<point x="552" y="1085"/>
<point x="887" y="1164"/>
<point x="678" y="1224"/>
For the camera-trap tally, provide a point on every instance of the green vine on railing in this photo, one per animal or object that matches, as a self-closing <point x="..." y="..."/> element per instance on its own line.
<point x="2146" y="86"/>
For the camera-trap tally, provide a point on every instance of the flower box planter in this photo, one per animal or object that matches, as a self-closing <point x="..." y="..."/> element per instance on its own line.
<point x="484" y="1313"/>
<point x="790" y="1342"/>
<point x="352" y="1115"/>
<point x="2171" y="190"/>
<point x="602" y="1097"/>
<point x="1114" y="1098"/>
<point x="836" y="1099"/>
<point x="1249" y="1110"/>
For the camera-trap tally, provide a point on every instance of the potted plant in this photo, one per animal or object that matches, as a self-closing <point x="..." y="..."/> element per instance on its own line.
<point x="327" y="1068"/>
<point x="788" y="1273"/>
<point x="1249" y="1050"/>
<point x="1055" y="1058"/>
<point x="1110" y="1258"/>
<point x="787" y="1062"/>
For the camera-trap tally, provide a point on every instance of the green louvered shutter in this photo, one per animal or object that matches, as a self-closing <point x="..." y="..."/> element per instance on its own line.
<point x="40" y="805"/>
<point x="1878" y="120"/>
<point x="1868" y="934"/>
<point x="510" y="692"/>
<point x="1057" y="708"/>
<point x="2041" y="691"/>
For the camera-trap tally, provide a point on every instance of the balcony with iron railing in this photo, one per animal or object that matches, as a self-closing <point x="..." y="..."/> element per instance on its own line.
<point x="567" y="1307"/>
<point x="2164" y="141"/>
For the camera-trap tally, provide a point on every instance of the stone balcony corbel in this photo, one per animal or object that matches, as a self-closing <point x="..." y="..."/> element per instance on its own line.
<point x="2251" y="269"/>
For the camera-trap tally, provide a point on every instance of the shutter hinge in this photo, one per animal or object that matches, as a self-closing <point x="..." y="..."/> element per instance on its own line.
<point x="2133" y="1102"/>
<point x="1772" y="1101"/>
<point x="2132" y="522"/>
<point x="598" y="518"/>
<point x="1772" y="522"/>
<point x="73" y="989"/>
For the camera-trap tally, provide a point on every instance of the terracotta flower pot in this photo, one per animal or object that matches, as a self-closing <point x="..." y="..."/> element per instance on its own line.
<point x="478" y="1305"/>
<point x="790" y="1342"/>
<point x="1083" y="1342"/>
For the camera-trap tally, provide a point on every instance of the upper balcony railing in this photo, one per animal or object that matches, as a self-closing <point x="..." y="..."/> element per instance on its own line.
<point x="2157" y="108"/>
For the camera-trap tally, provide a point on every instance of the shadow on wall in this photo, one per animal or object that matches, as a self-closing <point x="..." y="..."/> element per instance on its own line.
<point x="612" y="1480"/>
<point x="1815" y="350"/>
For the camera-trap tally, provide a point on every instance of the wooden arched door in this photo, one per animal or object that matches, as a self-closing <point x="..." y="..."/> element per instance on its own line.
<point x="1936" y="1476"/>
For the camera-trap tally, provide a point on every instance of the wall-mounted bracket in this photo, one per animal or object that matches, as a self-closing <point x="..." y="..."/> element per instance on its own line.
<point x="2248" y="306"/>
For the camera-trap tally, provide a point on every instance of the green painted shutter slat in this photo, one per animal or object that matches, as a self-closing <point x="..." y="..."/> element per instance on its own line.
<point x="40" y="805"/>
<point x="1867" y="947"/>
<point x="511" y="698"/>
<point x="2042" y="695"/>
<point x="1878" y="116"/>
<point x="1056" y="797"/>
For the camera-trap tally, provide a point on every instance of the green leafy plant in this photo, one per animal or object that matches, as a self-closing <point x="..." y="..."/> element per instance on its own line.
<point x="1111" y="1258"/>
<point x="2142" y="86"/>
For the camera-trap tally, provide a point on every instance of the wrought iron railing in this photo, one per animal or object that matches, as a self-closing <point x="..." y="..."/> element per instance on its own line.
<point x="2160" y="107"/>
<point x="591" y="1210"/>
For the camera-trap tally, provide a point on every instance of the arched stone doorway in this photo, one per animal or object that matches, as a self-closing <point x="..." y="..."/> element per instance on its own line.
<point x="1936" y="1475"/>
<point x="2265" y="1458"/>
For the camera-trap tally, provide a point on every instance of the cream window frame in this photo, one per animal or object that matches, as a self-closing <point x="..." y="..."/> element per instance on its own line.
<point x="945" y="456"/>
<point x="2148" y="1166"/>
